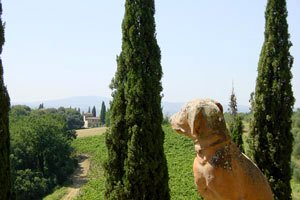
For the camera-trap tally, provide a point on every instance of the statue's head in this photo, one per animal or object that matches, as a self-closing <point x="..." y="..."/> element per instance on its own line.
<point x="200" y="118"/>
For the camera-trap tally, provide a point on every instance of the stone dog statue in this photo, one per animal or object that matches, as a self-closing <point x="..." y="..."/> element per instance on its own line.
<point x="221" y="171"/>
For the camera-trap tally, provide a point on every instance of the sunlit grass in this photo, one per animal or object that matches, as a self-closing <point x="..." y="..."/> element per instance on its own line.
<point x="57" y="195"/>
<point x="90" y="132"/>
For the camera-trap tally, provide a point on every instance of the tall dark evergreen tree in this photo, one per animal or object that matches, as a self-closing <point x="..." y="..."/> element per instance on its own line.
<point x="94" y="111"/>
<point x="235" y="124"/>
<point x="141" y="172"/>
<point x="232" y="104"/>
<point x="273" y="102"/>
<point x="5" y="179"/>
<point x="102" y="113"/>
<point x="41" y="106"/>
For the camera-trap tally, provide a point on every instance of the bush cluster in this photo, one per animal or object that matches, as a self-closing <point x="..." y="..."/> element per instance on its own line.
<point x="41" y="154"/>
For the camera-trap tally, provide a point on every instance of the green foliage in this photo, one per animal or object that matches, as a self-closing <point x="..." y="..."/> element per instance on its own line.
<point x="273" y="102"/>
<point x="236" y="131"/>
<point x="232" y="104"/>
<point x="73" y="117"/>
<point x="41" y="154"/>
<point x="5" y="179"/>
<point x="296" y="190"/>
<point x="135" y="142"/>
<point x="19" y="111"/>
<point x="103" y="114"/>
<point x="296" y="119"/>
<point x="235" y="122"/>
<point x="179" y="152"/>
<point x="296" y="171"/>
<point x="30" y="184"/>
<point x="107" y="118"/>
<point x="296" y="152"/>
<point x="58" y="194"/>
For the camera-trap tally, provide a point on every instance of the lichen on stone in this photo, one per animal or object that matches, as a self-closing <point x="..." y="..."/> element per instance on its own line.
<point x="222" y="158"/>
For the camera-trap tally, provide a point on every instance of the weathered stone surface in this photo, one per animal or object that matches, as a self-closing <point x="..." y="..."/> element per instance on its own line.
<point x="221" y="171"/>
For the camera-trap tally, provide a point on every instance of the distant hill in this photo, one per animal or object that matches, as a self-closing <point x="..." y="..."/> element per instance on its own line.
<point x="84" y="102"/>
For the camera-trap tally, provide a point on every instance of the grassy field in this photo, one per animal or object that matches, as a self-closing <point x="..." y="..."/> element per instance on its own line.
<point x="90" y="132"/>
<point x="57" y="195"/>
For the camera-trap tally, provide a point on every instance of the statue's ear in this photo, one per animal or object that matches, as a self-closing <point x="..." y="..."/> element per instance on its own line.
<point x="197" y="123"/>
<point x="220" y="107"/>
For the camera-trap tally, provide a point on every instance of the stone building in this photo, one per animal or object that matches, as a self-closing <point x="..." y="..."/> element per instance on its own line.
<point x="90" y="121"/>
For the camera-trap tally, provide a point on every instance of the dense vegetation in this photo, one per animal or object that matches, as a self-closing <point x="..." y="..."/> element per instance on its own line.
<point x="5" y="180"/>
<point x="73" y="117"/>
<point x="41" y="155"/>
<point x="273" y="102"/>
<point x="135" y="142"/>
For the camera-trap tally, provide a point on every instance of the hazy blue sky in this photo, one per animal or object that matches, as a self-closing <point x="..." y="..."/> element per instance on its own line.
<point x="62" y="48"/>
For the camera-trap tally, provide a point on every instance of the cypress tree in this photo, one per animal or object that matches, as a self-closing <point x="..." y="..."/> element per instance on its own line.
<point x="273" y="102"/>
<point x="141" y="172"/>
<point x="102" y="113"/>
<point x="94" y="111"/>
<point x="232" y="104"/>
<point x="235" y="124"/>
<point x="5" y="180"/>
<point x="41" y="106"/>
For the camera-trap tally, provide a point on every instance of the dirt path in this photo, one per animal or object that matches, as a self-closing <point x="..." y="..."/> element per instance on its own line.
<point x="79" y="177"/>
